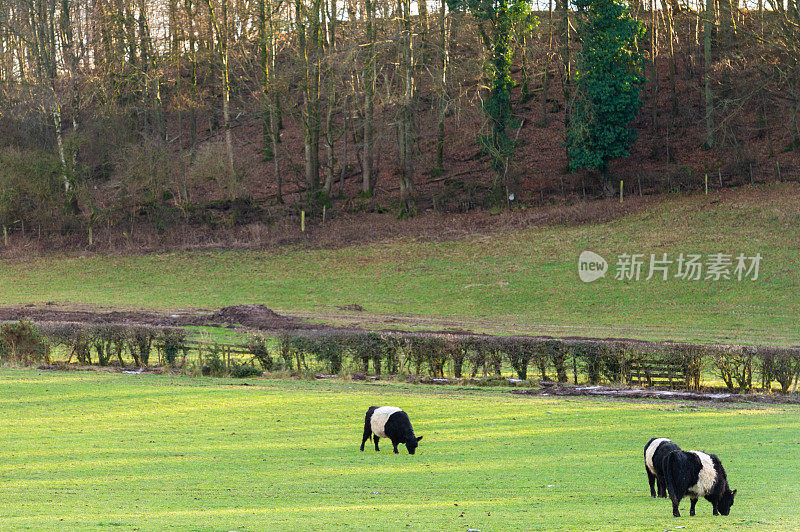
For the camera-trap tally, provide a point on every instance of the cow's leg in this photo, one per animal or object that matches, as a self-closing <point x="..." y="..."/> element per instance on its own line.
<point x="716" y="511"/>
<point x="395" y="444"/>
<point x="691" y="508"/>
<point x="662" y="487"/>
<point x="367" y="433"/>
<point x="375" y="439"/>
<point x="651" y="478"/>
<point x="675" y="502"/>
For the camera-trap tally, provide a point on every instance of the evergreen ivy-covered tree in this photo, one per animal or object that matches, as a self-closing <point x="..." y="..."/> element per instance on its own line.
<point x="607" y="82"/>
<point x="498" y="20"/>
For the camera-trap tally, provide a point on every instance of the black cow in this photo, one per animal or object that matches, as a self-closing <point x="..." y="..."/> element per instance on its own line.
<point x="655" y="452"/>
<point x="696" y="474"/>
<point x="389" y="422"/>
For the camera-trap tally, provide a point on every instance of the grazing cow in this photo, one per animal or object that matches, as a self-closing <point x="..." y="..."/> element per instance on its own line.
<point x="697" y="474"/>
<point x="389" y="422"/>
<point x="655" y="452"/>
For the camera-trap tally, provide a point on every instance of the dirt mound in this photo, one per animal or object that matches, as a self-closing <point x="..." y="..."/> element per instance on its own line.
<point x="255" y="317"/>
<point x="251" y="316"/>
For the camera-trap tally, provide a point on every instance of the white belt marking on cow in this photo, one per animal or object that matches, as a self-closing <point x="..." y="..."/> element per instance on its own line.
<point x="707" y="476"/>
<point x="379" y="418"/>
<point x="650" y="451"/>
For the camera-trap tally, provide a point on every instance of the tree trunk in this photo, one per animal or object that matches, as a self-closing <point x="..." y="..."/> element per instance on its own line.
<point x="566" y="72"/>
<point x="330" y="126"/>
<point x="709" y="97"/>
<point x="263" y="52"/>
<point x="71" y="60"/>
<point x="190" y="16"/>
<point x="406" y="131"/>
<point x="345" y="123"/>
<point x="727" y="25"/>
<point x="368" y="170"/>
<point x="444" y="43"/>
<point x="309" y="36"/>
<point x="673" y="74"/>
<point x="222" y="38"/>
<point x="548" y="57"/>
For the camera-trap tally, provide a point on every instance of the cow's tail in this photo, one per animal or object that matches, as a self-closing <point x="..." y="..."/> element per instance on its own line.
<point x="671" y="462"/>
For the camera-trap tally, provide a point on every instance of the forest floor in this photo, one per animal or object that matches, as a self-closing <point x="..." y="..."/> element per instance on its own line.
<point x="87" y="450"/>
<point x="502" y="279"/>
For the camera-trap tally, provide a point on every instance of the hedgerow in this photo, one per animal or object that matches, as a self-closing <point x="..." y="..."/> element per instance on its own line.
<point x="423" y="355"/>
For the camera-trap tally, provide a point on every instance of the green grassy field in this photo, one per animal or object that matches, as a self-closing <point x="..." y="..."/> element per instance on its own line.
<point x="84" y="450"/>
<point x="516" y="281"/>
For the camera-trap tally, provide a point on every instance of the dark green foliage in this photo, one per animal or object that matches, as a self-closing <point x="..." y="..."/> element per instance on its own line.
<point x="432" y="351"/>
<point x="590" y="355"/>
<point x="497" y="20"/>
<point x="293" y="351"/>
<point x="396" y="345"/>
<point x="257" y="345"/>
<point x="608" y="81"/>
<point x="477" y="355"/>
<point x="458" y="352"/>
<point x="21" y="342"/>
<point x="613" y="362"/>
<point x="555" y="351"/>
<point x="689" y="358"/>
<point x="215" y="361"/>
<point x="329" y="348"/>
<point x="31" y="188"/>
<point x="519" y="355"/>
<point x="141" y="344"/>
<point x="172" y="343"/>
<point x="242" y="371"/>
<point x="419" y="351"/>
<point x="616" y="362"/>
<point x="735" y="366"/>
<point x="785" y="366"/>
<point x="108" y="341"/>
<point x="779" y="365"/>
<point x="367" y="347"/>
<point x="82" y="347"/>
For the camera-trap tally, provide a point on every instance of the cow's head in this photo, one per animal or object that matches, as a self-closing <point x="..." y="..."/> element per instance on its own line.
<point x="412" y="445"/>
<point x="726" y="501"/>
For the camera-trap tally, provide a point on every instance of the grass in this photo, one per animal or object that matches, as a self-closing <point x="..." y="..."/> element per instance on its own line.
<point x="521" y="281"/>
<point x="85" y="450"/>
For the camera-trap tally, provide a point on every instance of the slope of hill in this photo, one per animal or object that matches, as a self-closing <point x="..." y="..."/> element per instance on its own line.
<point x="494" y="279"/>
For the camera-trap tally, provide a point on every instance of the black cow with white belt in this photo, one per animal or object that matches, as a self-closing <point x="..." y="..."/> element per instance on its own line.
<point x="696" y="474"/>
<point x="389" y="422"/>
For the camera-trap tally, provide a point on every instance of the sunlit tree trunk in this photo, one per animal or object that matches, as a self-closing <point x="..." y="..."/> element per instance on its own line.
<point x="709" y="97"/>
<point x="444" y="50"/>
<point x="308" y="32"/>
<point x="368" y="171"/>
<point x="566" y="69"/>
<point x="222" y="37"/>
<point x="406" y="134"/>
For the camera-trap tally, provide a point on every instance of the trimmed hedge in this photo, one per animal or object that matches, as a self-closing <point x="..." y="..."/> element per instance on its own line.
<point x="22" y="343"/>
<point x="428" y="354"/>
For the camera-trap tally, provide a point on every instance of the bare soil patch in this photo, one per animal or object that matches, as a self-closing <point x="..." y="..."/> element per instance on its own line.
<point x="250" y="316"/>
